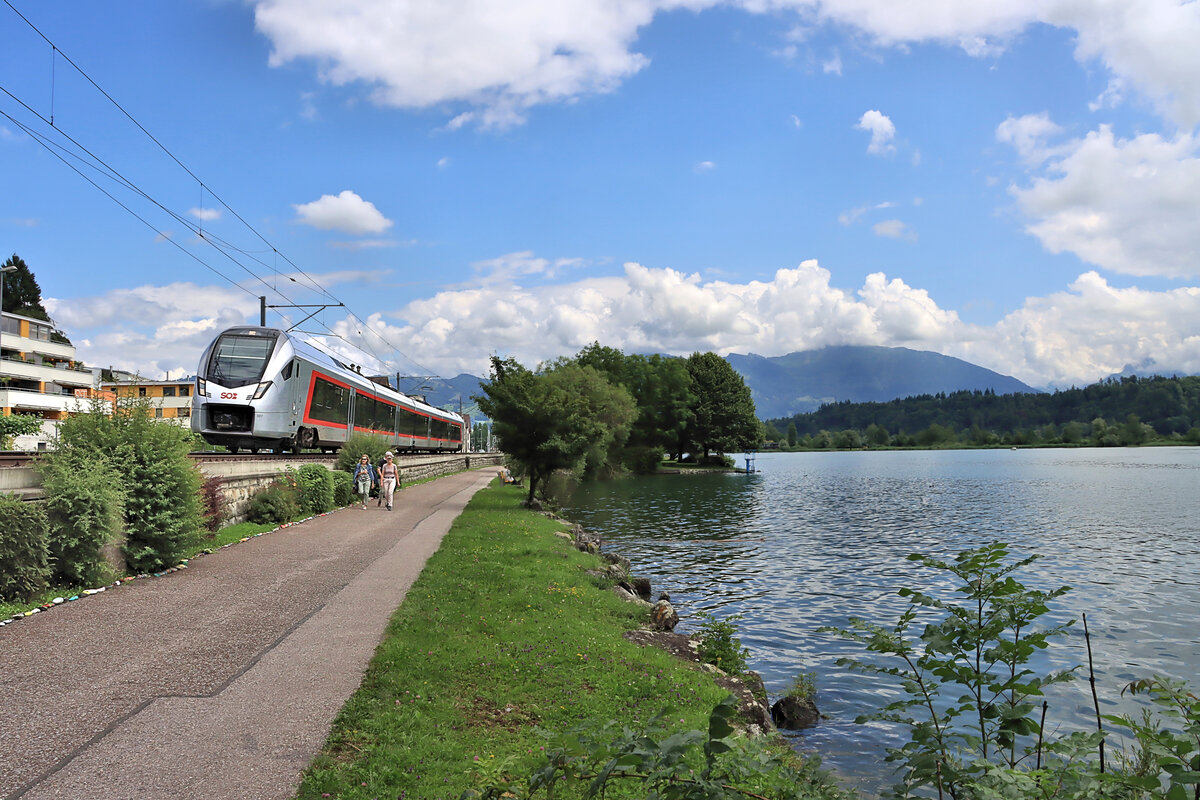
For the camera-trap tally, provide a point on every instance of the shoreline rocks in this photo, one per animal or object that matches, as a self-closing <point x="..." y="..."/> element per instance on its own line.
<point x="755" y="712"/>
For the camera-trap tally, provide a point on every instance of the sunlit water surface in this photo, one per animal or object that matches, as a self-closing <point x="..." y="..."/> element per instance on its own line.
<point x="812" y="539"/>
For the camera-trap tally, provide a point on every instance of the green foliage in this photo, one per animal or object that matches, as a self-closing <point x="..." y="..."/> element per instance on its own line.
<point x="803" y="686"/>
<point x="23" y="296"/>
<point x="85" y="505"/>
<point x="343" y="488"/>
<point x="724" y="418"/>
<point x="274" y="505"/>
<point x="358" y="443"/>
<point x="162" y="511"/>
<point x="315" y="483"/>
<point x="608" y="760"/>
<point x="567" y="417"/>
<point x="661" y="390"/>
<point x="969" y="693"/>
<point x="24" y="557"/>
<point x="1161" y="407"/>
<point x="719" y="644"/>
<point x="1168" y="738"/>
<point x="17" y="425"/>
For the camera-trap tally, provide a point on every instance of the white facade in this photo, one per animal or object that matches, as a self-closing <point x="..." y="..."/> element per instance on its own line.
<point x="38" y="376"/>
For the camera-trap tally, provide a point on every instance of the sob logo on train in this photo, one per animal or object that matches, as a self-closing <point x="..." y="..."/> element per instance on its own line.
<point x="229" y="395"/>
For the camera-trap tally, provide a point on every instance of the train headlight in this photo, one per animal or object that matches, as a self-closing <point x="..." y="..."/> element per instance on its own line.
<point x="262" y="389"/>
<point x="201" y="387"/>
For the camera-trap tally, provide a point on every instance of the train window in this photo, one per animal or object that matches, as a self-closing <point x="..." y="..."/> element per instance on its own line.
<point x="286" y="372"/>
<point x="239" y="360"/>
<point x="330" y="402"/>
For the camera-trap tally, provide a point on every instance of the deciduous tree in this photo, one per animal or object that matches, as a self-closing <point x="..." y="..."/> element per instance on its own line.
<point x="724" y="419"/>
<point x="558" y="419"/>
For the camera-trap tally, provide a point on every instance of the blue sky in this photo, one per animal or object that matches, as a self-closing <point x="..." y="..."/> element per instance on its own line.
<point x="1016" y="182"/>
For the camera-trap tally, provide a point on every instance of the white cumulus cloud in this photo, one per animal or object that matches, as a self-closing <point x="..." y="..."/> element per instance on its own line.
<point x="1086" y="332"/>
<point x="882" y="132"/>
<point x="1128" y="205"/>
<point x="345" y="212"/>
<point x="500" y="61"/>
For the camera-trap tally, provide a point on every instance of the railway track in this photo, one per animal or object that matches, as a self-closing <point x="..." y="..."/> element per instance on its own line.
<point x="25" y="459"/>
<point x="19" y="459"/>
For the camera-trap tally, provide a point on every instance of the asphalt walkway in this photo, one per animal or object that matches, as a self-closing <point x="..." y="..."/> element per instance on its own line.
<point x="219" y="681"/>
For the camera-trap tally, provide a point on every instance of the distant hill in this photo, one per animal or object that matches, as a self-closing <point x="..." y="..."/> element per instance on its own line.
<point x="445" y="393"/>
<point x="801" y="382"/>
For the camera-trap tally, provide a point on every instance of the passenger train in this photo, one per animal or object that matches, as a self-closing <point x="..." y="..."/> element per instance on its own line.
<point x="259" y="389"/>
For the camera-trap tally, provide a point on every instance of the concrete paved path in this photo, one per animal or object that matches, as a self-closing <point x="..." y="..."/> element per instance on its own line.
<point x="219" y="681"/>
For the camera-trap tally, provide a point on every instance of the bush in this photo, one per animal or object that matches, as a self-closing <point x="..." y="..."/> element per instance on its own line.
<point x="316" y="488"/>
<point x="803" y="686"/>
<point x="359" y="443"/>
<point x="278" y="503"/>
<point x="161" y="484"/>
<point x="343" y="488"/>
<point x="162" y="514"/>
<point x="719" y="644"/>
<point x="84" y="508"/>
<point x="643" y="459"/>
<point x="24" y="558"/>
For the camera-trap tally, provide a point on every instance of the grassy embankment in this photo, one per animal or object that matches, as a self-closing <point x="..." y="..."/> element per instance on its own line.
<point x="504" y="632"/>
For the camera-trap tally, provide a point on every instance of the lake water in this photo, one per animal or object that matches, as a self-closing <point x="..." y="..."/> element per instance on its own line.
<point x="812" y="539"/>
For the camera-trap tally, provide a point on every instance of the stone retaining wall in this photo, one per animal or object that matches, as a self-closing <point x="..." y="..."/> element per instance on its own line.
<point x="241" y="480"/>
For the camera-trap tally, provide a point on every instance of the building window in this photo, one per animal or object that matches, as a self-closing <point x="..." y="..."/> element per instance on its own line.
<point x="183" y="413"/>
<point x="158" y="413"/>
<point x="185" y="391"/>
<point x="168" y="391"/>
<point x="141" y="391"/>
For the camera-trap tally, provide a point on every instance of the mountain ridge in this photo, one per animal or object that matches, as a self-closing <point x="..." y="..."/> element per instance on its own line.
<point x="805" y="380"/>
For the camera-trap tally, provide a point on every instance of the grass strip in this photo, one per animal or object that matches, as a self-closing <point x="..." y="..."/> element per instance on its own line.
<point x="502" y="633"/>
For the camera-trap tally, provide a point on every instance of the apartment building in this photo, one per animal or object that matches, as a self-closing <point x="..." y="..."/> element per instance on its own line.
<point x="39" y="376"/>
<point x="169" y="400"/>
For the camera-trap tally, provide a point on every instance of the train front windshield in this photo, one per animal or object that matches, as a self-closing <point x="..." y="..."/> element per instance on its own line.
<point x="239" y="360"/>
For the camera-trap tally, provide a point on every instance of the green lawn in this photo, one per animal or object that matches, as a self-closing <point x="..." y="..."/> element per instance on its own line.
<point x="503" y="634"/>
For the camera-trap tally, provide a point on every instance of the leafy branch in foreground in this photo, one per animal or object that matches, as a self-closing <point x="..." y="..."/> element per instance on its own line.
<point x="976" y="732"/>
<point x="969" y="692"/>
<point x="610" y="760"/>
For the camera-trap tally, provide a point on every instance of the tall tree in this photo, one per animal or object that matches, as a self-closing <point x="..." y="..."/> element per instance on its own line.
<point x="724" y="421"/>
<point x="23" y="296"/>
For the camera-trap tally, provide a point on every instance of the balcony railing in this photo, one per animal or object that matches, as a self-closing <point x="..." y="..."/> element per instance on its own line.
<point x="26" y="345"/>
<point x="50" y="373"/>
<point x="30" y="400"/>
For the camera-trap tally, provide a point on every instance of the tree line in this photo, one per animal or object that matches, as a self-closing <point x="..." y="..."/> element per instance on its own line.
<point x="603" y="412"/>
<point x="1114" y="412"/>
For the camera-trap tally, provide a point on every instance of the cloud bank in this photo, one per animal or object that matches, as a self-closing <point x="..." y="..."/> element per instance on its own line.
<point x="1073" y="337"/>
<point x="498" y="64"/>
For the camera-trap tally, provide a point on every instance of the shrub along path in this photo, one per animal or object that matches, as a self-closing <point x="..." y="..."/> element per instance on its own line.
<point x="221" y="680"/>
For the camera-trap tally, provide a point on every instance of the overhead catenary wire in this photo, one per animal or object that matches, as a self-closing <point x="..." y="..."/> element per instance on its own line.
<point x="220" y="245"/>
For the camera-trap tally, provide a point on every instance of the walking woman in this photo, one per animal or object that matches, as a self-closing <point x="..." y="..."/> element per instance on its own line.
<point x="364" y="478"/>
<point x="389" y="474"/>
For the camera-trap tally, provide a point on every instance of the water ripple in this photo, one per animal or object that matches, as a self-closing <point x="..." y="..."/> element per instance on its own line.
<point x="814" y="539"/>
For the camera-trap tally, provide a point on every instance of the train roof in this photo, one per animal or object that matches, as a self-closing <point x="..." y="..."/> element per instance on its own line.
<point x="309" y="351"/>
